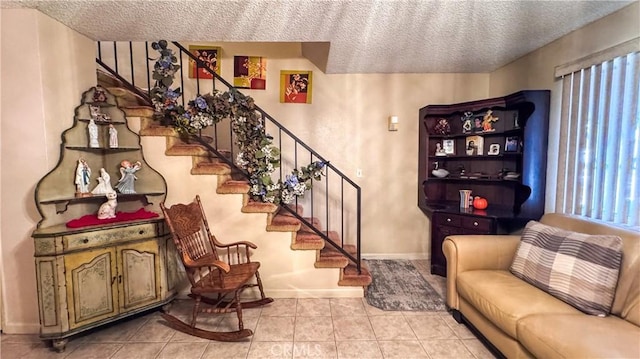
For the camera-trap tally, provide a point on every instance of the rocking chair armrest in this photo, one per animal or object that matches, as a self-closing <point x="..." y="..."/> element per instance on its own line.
<point x="207" y="262"/>
<point x="241" y="243"/>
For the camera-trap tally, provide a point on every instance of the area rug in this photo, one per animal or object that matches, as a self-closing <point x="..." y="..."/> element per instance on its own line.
<point x="397" y="285"/>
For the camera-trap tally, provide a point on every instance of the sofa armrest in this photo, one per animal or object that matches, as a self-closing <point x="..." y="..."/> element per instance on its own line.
<point x="474" y="252"/>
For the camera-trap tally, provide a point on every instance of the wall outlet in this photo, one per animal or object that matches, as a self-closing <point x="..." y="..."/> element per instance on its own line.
<point x="359" y="172"/>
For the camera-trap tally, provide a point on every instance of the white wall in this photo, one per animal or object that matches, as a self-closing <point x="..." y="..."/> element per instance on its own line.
<point x="536" y="71"/>
<point x="45" y="68"/>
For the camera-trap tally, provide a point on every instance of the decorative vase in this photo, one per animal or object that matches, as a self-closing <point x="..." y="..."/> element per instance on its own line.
<point x="465" y="198"/>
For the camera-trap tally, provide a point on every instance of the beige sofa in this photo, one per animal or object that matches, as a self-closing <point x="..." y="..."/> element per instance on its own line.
<point x="522" y="321"/>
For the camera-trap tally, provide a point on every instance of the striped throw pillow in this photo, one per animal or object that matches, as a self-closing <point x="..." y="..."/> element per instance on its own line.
<point x="577" y="268"/>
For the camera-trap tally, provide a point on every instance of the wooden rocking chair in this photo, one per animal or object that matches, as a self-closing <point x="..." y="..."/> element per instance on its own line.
<point x="218" y="272"/>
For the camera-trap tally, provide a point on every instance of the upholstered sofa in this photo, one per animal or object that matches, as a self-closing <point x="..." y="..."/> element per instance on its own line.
<point x="523" y="321"/>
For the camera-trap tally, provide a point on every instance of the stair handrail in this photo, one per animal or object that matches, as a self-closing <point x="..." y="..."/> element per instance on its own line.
<point x="200" y="64"/>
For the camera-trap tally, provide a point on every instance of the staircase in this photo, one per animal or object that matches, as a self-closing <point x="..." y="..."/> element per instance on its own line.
<point x="290" y="222"/>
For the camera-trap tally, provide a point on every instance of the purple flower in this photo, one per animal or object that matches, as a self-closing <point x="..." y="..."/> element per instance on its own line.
<point x="201" y="102"/>
<point x="170" y="94"/>
<point x="291" y="181"/>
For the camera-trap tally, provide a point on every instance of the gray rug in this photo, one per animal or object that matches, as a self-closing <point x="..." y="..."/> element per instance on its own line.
<point x="397" y="285"/>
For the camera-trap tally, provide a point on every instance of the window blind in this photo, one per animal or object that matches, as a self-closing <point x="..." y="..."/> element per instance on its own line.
<point x="599" y="152"/>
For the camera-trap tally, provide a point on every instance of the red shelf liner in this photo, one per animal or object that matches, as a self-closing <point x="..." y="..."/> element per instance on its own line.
<point x="92" y="219"/>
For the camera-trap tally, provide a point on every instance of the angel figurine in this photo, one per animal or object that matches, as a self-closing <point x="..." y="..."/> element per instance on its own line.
<point x="127" y="180"/>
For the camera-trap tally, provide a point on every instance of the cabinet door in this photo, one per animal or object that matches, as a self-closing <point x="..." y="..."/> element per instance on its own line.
<point x="438" y="260"/>
<point x="139" y="274"/>
<point x="91" y="286"/>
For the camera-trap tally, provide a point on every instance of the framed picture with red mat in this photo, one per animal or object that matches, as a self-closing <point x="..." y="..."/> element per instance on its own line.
<point x="295" y="86"/>
<point x="210" y="56"/>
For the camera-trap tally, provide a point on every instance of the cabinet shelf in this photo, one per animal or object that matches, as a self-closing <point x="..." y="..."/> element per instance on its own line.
<point x="103" y="123"/>
<point x="460" y="179"/>
<point x="511" y="132"/>
<point x="506" y="155"/>
<point x="62" y="203"/>
<point x="102" y="149"/>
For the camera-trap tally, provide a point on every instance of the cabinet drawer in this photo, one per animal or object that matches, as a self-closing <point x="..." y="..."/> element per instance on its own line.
<point x="447" y="220"/>
<point x="477" y="224"/>
<point x="108" y="236"/>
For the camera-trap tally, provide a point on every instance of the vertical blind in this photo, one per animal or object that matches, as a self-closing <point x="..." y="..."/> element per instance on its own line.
<point x="599" y="152"/>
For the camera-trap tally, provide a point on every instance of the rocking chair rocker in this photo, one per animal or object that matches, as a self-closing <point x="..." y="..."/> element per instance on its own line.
<point x="218" y="272"/>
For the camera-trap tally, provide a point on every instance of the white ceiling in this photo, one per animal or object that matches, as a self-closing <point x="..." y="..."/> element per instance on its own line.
<point x="372" y="36"/>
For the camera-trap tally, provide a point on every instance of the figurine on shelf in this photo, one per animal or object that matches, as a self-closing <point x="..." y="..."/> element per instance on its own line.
<point x="93" y="134"/>
<point x="440" y="150"/>
<point x="108" y="209"/>
<point x="82" y="179"/>
<point x="127" y="180"/>
<point x="97" y="115"/>
<point x="442" y="127"/>
<point x="113" y="137"/>
<point x="104" y="183"/>
<point x="466" y="122"/>
<point x="99" y="95"/>
<point x="487" y="121"/>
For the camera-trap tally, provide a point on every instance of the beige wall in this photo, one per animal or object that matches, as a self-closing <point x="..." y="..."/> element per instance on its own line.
<point x="536" y="71"/>
<point x="45" y="68"/>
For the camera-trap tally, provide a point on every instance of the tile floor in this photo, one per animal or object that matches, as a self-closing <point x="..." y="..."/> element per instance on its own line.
<point x="286" y="328"/>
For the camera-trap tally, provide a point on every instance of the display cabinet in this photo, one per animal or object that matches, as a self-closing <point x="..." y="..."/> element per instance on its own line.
<point x="93" y="273"/>
<point x="497" y="149"/>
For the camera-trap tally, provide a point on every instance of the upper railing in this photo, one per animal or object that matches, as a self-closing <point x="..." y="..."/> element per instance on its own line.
<point x="332" y="206"/>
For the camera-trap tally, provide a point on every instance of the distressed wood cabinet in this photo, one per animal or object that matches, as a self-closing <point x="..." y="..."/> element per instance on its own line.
<point x="93" y="275"/>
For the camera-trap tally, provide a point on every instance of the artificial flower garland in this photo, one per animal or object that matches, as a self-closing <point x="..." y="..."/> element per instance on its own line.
<point x="257" y="154"/>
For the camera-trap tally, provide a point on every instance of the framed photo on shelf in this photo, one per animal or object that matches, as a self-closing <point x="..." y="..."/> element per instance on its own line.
<point x="494" y="149"/>
<point x="512" y="144"/>
<point x="474" y="145"/>
<point x="449" y="147"/>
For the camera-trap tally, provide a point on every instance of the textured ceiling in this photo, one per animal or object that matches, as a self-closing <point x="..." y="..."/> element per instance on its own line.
<point x="374" y="36"/>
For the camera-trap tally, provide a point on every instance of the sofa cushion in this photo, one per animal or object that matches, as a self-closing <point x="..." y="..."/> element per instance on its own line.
<point x="504" y="299"/>
<point x="577" y="268"/>
<point x="578" y="336"/>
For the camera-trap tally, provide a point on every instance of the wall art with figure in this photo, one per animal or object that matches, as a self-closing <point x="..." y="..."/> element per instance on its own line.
<point x="295" y="86"/>
<point x="250" y="72"/>
<point x="210" y="56"/>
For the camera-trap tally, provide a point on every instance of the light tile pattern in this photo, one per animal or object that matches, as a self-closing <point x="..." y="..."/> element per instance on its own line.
<point x="337" y="328"/>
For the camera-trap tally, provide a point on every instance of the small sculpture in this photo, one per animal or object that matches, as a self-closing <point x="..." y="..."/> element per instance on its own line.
<point x="439" y="172"/>
<point x="440" y="150"/>
<point x="108" y="208"/>
<point x="99" y="95"/>
<point x="442" y="127"/>
<point x="127" y="180"/>
<point x="466" y="122"/>
<point x="97" y="115"/>
<point x="113" y="137"/>
<point x="82" y="179"/>
<point x="487" y="122"/>
<point x="93" y="134"/>
<point x="104" y="183"/>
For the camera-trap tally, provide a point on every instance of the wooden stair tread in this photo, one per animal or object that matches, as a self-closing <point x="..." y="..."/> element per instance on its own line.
<point x="282" y="223"/>
<point x="186" y="149"/>
<point x="211" y="168"/>
<point x="258" y="207"/>
<point x="350" y="277"/>
<point x="233" y="186"/>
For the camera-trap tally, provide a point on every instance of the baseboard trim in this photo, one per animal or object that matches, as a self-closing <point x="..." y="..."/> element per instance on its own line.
<point x="23" y="328"/>
<point x="347" y="292"/>
<point x="409" y="256"/>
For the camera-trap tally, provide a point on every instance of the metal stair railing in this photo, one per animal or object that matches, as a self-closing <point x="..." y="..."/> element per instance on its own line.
<point x="340" y="197"/>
